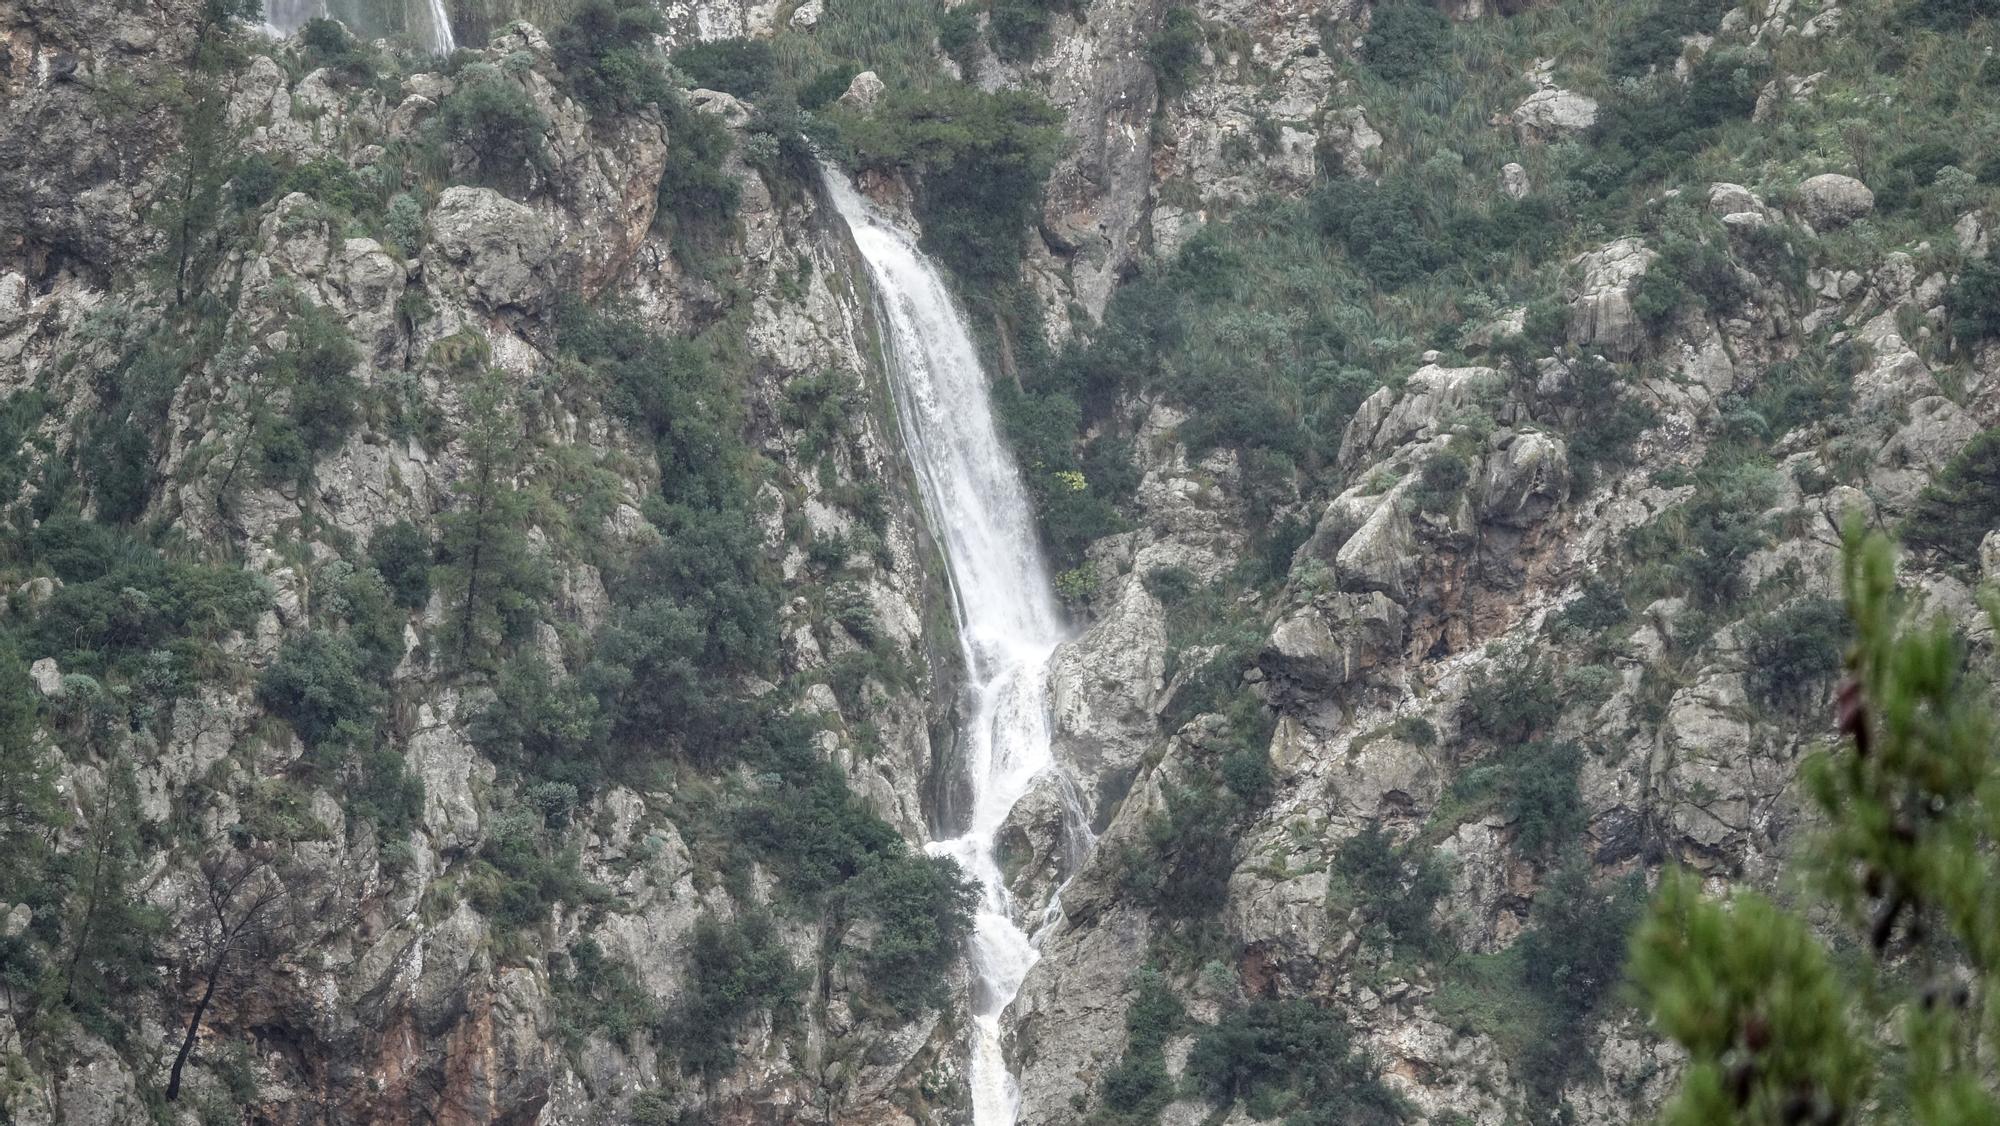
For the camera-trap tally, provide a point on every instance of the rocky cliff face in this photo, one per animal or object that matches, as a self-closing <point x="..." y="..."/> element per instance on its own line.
<point x="1525" y="641"/>
<point x="1413" y="628"/>
<point x="399" y="993"/>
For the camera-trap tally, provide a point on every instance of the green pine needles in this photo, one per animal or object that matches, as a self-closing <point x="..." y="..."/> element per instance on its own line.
<point x="1894" y="1019"/>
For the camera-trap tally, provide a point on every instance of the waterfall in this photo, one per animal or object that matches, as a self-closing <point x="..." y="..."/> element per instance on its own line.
<point x="1008" y="621"/>
<point x="441" y="41"/>
<point x="286" y="17"/>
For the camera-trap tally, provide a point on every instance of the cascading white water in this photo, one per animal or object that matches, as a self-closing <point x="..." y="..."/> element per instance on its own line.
<point x="286" y="17"/>
<point x="441" y="41"/>
<point x="1008" y="622"/>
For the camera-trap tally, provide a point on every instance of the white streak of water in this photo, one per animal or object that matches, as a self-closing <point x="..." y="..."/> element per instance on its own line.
<point x="1008" y="621"/>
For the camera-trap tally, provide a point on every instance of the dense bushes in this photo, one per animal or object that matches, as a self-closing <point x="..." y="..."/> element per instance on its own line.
<point x="121" y="603"/>
<point x="830" y="851"/>
<point x="605" y="53"/>
<point x="1138" y="1087"/>
<point x="1020" y="28"/>
<point x="746" y="68"/>
<point x="1397" y="890"/>
<point x="922" y="907"/>
<point x="697" y="198"/>
<point x="1573" y="959"/>
<point x="1534" y="786"/>
<point x="735" y="970"/>
<point x="1510" y="700"/>
<point x="1793" y="653"/>
<point x="1697" y="549"/>
<point x="1655" y="128"/>
<point x="1973" y="303"/>
<point x="1292" y="1059"/>
<point x="496" y="124"/>
<point x="310" y="397"/>
<point x="401" y="553"/>
<point x="1651" y="36"/>
<point x="1405" y="39"/>
<point x="321" y="684"/>
<point x="1175" y="51"/>
<point x="982" y="158"/>
<point x="1956" y="510"/>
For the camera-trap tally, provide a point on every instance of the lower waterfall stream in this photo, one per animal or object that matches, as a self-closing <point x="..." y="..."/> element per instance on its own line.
<point x="1009" y="623"/>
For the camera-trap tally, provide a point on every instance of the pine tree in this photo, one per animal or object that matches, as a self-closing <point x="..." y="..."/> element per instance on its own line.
<point x="1777" y="1027"/>
<point x="492" y="576"/>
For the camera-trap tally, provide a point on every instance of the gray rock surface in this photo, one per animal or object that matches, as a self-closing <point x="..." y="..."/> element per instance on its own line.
<point x="1830" y="201"/>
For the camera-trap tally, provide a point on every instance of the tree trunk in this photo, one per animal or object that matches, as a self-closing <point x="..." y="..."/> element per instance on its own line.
<point x="194" y="1028"/>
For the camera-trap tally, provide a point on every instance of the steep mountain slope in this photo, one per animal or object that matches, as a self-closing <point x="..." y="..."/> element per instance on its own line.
<point x="479" y="635"/>
<point x="472" y="652"/>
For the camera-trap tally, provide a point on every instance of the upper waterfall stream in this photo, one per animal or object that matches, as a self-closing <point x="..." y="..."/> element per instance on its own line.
<point x="1008" y="620"/>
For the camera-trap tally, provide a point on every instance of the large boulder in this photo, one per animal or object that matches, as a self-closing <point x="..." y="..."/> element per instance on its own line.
<point x="1601" y="313"/>
<point x="1526" y="479"/>
<point x="1550" y="115"/>
<point x="862" y="93"/>
<point x="1831" y="201"/>
<point x="501" y="248"/>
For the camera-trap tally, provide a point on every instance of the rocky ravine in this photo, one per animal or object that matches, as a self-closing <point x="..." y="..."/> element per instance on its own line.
<point x="424" y="1010"/>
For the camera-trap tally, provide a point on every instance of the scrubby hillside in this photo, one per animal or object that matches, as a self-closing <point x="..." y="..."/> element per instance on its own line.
<point x="472" y="651"/>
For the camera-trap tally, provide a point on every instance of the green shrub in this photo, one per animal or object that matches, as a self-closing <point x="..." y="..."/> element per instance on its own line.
<point x="1441" y="483"/>
<point x="1973" y="303"/>
<point x="1406" y="38"/>
<point x="1573" y="958"/>
<point x="1020" y="28"/>
<point x="1397" y="889"/>
<point x="1138" y="1087"/>
<point x="922" y="907"/>
<point x="1511" y="699"/>
<point x="1173" y="586"/>
<point x="823" y="88"/>
<point x="1290" y="1058"/>
<point x="1542" y="800"/>
<point x="1383" y="227"/>
<point x="1651" y="37"/>
<point x="401" y="553"/>
<point x="1956" y="510"/>
<point x="312" y="398"/>
<point x="545" y="727"/>
<point x="697" y="198"/>
<point x="605" y="53"/>
<point x="746" y="68"/>
<point x="1900" y="185"/>
<point x="981" y="158"/>
<point x="736" y="969"/>
<point x="495" y="122"/>
<point x="328" y="44"/>
<point x="525" y="870"/>
<point x="1534" y="786"/>
<point x="1175" y="51"/>
<point x="320" y="684"/>
<point x="121" y="603"/>
<point x="1656" y="127"/>
<point x="1793" y="653"/>
<point x="1950" y="15"/>
<point x="1599" y="606"/>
